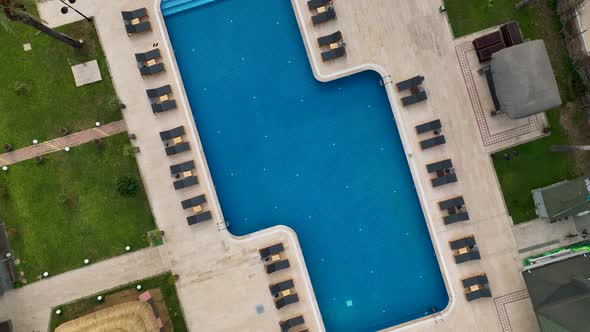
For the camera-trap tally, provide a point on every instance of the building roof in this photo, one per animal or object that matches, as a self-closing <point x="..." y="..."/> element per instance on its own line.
<point x="524" y="80"/>
<point x="560" y="293"/>
<point x="563" y="199"/>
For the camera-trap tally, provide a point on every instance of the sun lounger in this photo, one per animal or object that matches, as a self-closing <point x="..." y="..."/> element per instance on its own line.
<point x="170" y="134"/>
<point x="439" y="165"/>
<point x="149" y="55"/>
<point x="138" y="28"/>
<point x="277" y="266"/>
<point x="432" y="142"/>
<point x="453" y="202"/>
<point x="291" y="322"/>
<point x="151" y="70"/>
<point x="456" y="217"/>
<point x="468" y="241"/>
<point x="133" y="14"/>
<point x="313" y="4"/>
<point x="195" y="201"/>
<point x="178" y="148"/>
<point x="163" y="107"/>
<point x="330" y="39"/>
<point x="415" y="98"/>
<point x="428" y="126"/>
<point x="329" y="14"/>
<point x="199" y="217"/>
<point x="289" y="299"/>
<point x="281" y="286"/>
<point x="471" y="255"/>
<point x="334" y="53"/>
<point x="157" y="92"/>
<point x="271" y="250"/>
<point x="482" y="292"/>
<point x="480" y="279"/>
<point x="186" y="182"/>
<point x="182" y="167"/>
<point x="446" y="179"/>
<point x="410" y="83"/>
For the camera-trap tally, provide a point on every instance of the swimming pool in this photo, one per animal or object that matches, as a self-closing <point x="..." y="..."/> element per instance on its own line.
<point x="322" y="158"/>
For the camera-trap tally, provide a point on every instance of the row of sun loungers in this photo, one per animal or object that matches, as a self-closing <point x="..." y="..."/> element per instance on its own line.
<point x="413" y="84"/>
<point x="135" y="21"/>
<point x="283" y="292"/>
<point x="336" y="45"/>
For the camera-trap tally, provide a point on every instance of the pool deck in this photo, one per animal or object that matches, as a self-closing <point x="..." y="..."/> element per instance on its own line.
<point x="221" y="279"/>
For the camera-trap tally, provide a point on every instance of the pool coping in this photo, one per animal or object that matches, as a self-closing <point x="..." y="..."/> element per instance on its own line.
<point x="285" y="230"/>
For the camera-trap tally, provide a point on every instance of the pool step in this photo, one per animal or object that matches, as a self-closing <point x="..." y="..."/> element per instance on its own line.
<point x="170" y="7"/>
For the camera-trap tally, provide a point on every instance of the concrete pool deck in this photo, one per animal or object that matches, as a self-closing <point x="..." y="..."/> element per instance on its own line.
<point x="221" y="278"/>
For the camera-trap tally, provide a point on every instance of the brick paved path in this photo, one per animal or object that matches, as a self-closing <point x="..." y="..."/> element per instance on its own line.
<point x="62" y="142"/>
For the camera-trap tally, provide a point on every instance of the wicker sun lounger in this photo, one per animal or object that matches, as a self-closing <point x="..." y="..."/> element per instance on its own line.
<point x="291" y="322"/>
<point x="195" y="201"/>
<point x="334" y="53"/>
<point x="410" y="83"/>
<point x="157" y="92"/>
<point x="482" y="292"/>
<point x="428" y="126"/>
<point x="178" y="148"/>
<point x="170" y="134"/>
<point x="432" y="142"/>
<point x="277" y="266"/>
<point x="271" y="250"/>
<point x="453" y="202"/>
<point x="446" y="179"/>
<point x="281" y="286"/>
<point x="329" y="14"/>
<point x="330" y="39"/>
<point x="313" y="4"/>
<point x="480" y="279"/>
<point x="133" y="14"/>
<point x="289" y="299"/>
<point x="138" y="28"/>
<point x="199" y="217"/>
<point x="471" y="255"/>
<point x="186" y="182"/>
<point x="415" y="98"/>
<point x="182" y="167"/>
<point x="163" y="107"/>
<point x="439" y="165"/>
<point x="149" y="55"/>
<point x="468" y="241"/>
<point x="456" y="217"/>
<point x="151" y="70"/>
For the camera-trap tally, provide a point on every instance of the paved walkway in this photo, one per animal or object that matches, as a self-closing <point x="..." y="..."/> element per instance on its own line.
<point x="60" y="143"/>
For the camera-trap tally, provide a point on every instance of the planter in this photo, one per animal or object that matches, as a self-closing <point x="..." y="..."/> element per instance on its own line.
<point x="63" y="131"/>
<point x="7" y="147"/>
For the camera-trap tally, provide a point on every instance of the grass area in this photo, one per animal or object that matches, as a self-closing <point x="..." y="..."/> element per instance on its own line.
<point x="67" y="208"/>
<point x="164" y="282"/>
<point x="536" y="166"/>
<point x="48" y="98"/>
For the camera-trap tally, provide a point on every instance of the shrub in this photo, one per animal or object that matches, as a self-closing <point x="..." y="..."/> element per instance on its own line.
<point x="22" y="88"/>
<point x="3" y="193"/>
<point x="127" y="186"/>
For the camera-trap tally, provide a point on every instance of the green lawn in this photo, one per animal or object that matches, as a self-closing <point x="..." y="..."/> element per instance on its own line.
<point x="536" y="166"/>
<point x="50" y="99"/>
<point x="84" y="306"/>
<point x="67" y="208"/>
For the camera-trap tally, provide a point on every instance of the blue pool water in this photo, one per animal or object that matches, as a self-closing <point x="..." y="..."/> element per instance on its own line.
<point x="322" y="158"/>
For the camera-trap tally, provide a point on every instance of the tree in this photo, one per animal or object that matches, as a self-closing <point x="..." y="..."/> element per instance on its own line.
<point x="20" y="11"/>
<point x="127" y="186"/>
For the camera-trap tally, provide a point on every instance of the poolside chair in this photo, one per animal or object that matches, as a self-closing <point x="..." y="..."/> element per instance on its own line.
<point x="271" y="250"/>
<point x="451" y="203"/>
<point x="195" y="201"/>
<point x="132" y="21"/>
<point x="186" y="182"/>
<point x="138" y="13"/>
<point x="456" y="217"/>
<point x="479" y="279"/>
<point x="442" y="180"/>
<point x="439" y="165"/>
<point x="291" y="323"/>
<point x="471" y="255"/>
<point x="157" y="92"/>
<point x="149" y="55"/>
<point x="329" y="14"/>
<point x="170" y="134"/>
<point x="313" y="4"/>
<point x="410" y="83"/>
<point x="275" y="289"/>
<point x="286" y="300"/>
<point x="163" y="107"/>
<point x="415" y="98"/>
<point x="138" y="27"/>
<point x="333" y="53"/>
<point x="432" y="142"/>
<point x="199" y="217"/>
<point x="330" y="39"/>
<point x="467" y="241"/>
<point x="483" y="291"/>
<point x="151" y="70"/>
<point x="182" y="167"/>
<point x="428" y="126"/>
<point x="178" y="148"/>
<point x="277" y="266"/>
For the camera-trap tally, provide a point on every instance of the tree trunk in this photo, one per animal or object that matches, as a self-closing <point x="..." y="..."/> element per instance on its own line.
<point x="30" y="21"/>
